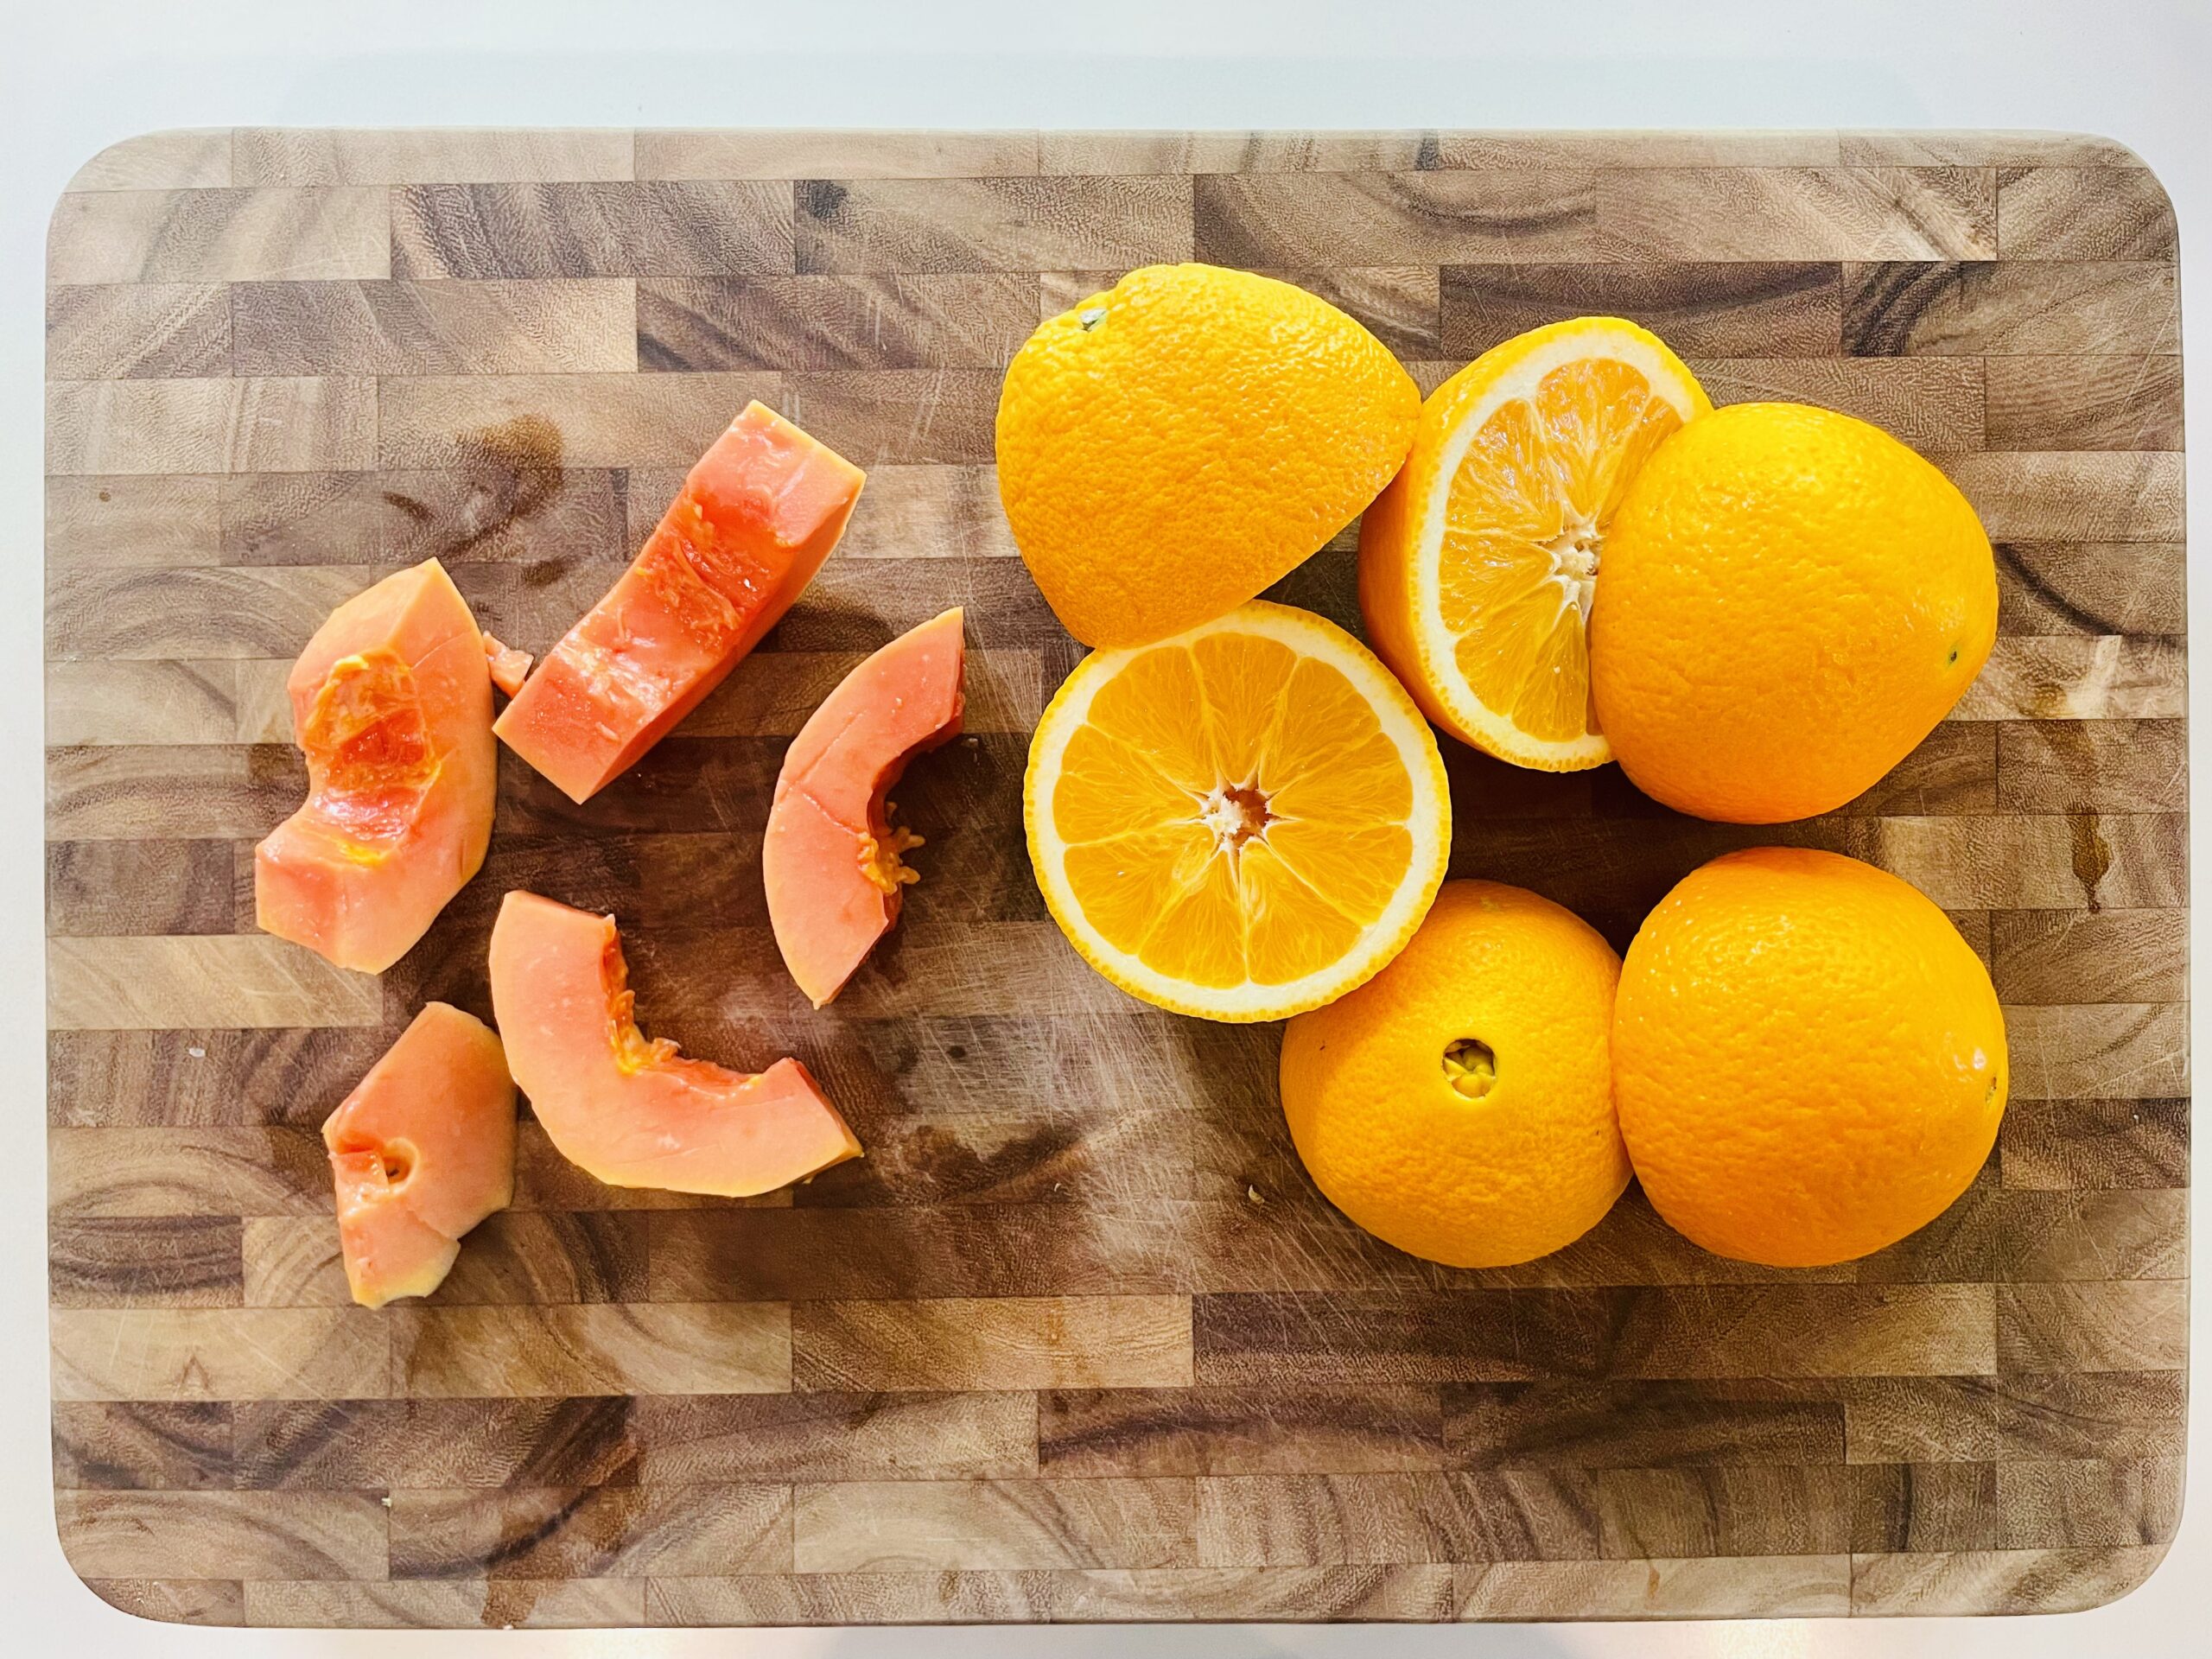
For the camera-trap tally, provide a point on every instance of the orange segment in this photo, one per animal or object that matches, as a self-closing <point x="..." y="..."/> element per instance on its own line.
<point x="1122" y="879"/>
<point x="1142" y="707"/>
<point x="1240" y="821"/>
<point x="1119" y="790"/>
<point x="1243" y="678"/>
<point x="1292" y="918"/>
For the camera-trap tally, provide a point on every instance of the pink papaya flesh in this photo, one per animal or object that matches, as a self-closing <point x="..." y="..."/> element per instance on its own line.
<point x="629" y="1109"/>
<point x="832" y="857"/>
<point x="420" y="1152"/>
<point x="391" y="703"/>
<point x="510" y="667"/>
<point x="756" y="517"/>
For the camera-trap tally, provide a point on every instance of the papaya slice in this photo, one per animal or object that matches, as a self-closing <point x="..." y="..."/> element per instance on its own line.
<point x="510" y="667"/>
<point x="755" y="518"/>
<point x="831" y="858"/>
<point x="391" y="703"/>
<point x="420" y="1152"/>
<point x="629" y="1109"/>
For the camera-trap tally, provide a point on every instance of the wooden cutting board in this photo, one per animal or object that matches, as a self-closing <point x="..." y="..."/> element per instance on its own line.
<point x="1077" y="1340"/>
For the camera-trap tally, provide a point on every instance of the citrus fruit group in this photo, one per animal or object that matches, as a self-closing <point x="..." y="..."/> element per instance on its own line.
<point x="1792" y="600"/>
<point x="1477" y="565"/>
<point x="1240" y="822"/>
<point x="1460" y="1104"/>
<point x="1167" y="449"/>
<point x="1810" y="1061"/>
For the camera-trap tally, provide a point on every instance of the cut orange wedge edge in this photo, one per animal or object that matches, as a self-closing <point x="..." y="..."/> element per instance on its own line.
<point x="1477" y="564"/>
<point x="1241" y="821"/>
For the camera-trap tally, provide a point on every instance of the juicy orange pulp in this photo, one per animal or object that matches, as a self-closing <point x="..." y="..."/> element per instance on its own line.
<point x="1528" y="508"/>
<point x="1233" y="812"/>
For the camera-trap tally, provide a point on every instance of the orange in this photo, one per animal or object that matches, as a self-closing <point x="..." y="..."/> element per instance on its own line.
<point x="1167" y="449"/>
<point x="1477" y="565"/>
<point x="1792" y="598"/>
<point x="1460" y="1104"/>
<point x="1240" y="822"/>
<point x="1810" y="1061"/>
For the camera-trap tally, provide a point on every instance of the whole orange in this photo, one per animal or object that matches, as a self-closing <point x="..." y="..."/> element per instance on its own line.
<point x="1789" y="600"/>
<point x="1168" y="448"/>
<point x="1460" y="1105"/>
<point x="1808" y="1060"/>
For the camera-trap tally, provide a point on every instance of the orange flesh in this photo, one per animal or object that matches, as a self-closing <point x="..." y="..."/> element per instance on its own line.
<point x="421" y="1151"/>
<point x="832" y="857"/>
<point x="391" y="703"/>
<point x="1529" y="507"/>
<point x="753" y="521"/>
<point x="1233" y="812"/>
<point x="628" y="1108"/>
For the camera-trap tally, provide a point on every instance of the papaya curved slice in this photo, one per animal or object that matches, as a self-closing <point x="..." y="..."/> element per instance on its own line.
<point x="421" y="1151"/>
<point x="391" y="703"/>
<point x="831" y="856"/>
<point x="755" y="518"/>
<point x="630" y="1110"/>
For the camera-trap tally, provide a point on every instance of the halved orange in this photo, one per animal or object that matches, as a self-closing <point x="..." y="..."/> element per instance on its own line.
<point x="1242" y="821"/>
<point x="1478" y="565"/>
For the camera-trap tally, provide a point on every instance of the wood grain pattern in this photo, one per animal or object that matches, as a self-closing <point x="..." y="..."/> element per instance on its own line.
<point x="1078" y="1340"/>
<point x="293" y="156"/>
<point x="615" y="1532"/>
<point x="1990" y="308"/>
<point x="555" y="231"/>
<point x="416" y="327"/>
<point x="1708" y="308"/>
<point x="220" y="235"/>
<point x="137" y="330"/>
<point x="1089" y="1341"/>
<point x="880" y="1526"/>
<point x="407" y="1603"/>
<point x="2059" y="213"/>
<point x="1948" y="212"/>
<point x="180" y="158"/>
<point x="275" y="423"/>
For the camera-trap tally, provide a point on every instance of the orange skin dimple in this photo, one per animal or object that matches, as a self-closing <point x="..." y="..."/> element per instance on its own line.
<point x="1460" y="1104"/>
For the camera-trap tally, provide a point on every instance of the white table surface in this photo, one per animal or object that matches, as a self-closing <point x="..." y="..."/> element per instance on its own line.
<point x="81" y="73"/>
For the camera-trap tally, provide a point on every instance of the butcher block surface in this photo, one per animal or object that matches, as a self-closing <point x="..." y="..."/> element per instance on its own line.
<point x="1077" y="1339"/>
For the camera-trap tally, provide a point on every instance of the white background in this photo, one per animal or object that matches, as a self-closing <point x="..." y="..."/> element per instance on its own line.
<point x="81" y="73"/>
